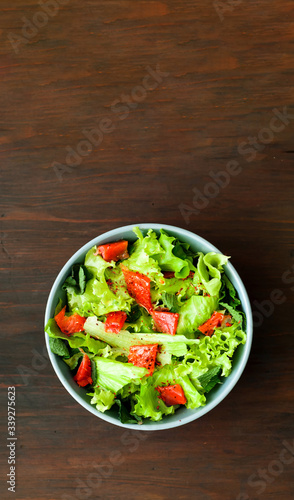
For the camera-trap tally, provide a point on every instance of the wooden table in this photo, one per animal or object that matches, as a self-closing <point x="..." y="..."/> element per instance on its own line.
<point x="118" y="112"/>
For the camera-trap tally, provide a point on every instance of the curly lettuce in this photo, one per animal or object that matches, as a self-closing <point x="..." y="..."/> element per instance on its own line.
<point x="194" y="312"/>
<point x="210" y="267"/>
<point x="149" y="405"/>
<point x="167" y="259"/>
<point x="98" y="298"/>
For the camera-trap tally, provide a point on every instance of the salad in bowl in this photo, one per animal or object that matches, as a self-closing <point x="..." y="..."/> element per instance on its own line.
<point x="147" y="326"/>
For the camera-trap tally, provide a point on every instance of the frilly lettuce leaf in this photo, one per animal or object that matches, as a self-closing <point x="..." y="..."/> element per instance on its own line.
<point x="151" y="255"/>
<point x="209" y="269"/>
<point x="102" y="398"/>
<point x="174" y="291"/>
<point x="216" y="350"/>
<point x="111" y="352"/>
<point x="96" y="264"/>
<point x="98" y="298"/>
<point x="111" y="378"/>
<point x="141" y="255"/>
<point x="116" y="282"/>
<point x="194" y="312"/>
<point x="191" y="390"/>
<point x="167" y="259"/>
<point x="149" y="405"/>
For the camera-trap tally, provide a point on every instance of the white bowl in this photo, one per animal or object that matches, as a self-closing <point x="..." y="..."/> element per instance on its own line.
<point x="182" y="415"/>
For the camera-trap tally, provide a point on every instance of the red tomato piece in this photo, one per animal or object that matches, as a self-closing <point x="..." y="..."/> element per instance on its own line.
<point x="166" y="322"/>
<point x="172" y="395"/>
<point x="113" y="251"/>
<point x="83" y="375"/>
<point x="70" y="324"/>
<point x="143" y="355"/>
<point x="138" y="286"/>
<point x="211" y="324"/>
<point x="115" y="321"/>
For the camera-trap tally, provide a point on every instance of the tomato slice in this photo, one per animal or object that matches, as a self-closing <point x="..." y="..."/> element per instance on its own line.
<point x="115" y="321"/>
<point x="70" y="324"/>
<point x="144" y="356"/>
<point x="172" y="395"/>
<point x="113" y="251"/>
<point x="138" y="286"/>
<point x="166" y="322"/>
<point x="211" y="324"/>
<point x="83" y="375"/>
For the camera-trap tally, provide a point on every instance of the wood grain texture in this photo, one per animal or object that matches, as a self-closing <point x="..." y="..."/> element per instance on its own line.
<point x="223" y="80"/>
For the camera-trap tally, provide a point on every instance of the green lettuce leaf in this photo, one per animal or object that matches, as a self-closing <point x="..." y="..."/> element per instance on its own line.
<point x="170" y="301"/>
<point x="209" y="379"/>
<point x="73" y="361"/>
<point x="172" y="292"/>
<point x="96" y="264"/>
<point x="134" y="314"/>
<point x="230" y="292"/>
<point x="102" y="398"/>
<point x="149" y="405"/>
<point x="142" y="255"/>
<point x="194" y="312"/>
<point x="127" y="390"/>
<point x="59" y="306"/>
<point x="78" y="279"/>
<point x="210" y="267"/>
<point x="76" y="340"/>
<point x="58" y="347"/>
<point x="230" y="300"/>
<point x="53" y="330"/>
<point x="124" y="413"/>
<point x="98" y="298"/>
<point x="143" y="323"/>
<point x="214" y="351"/>
<point x="113" y="375"/>
<point x="168" y="261"/>
<point x="194" y="397"/>
<point x="172" y="344"/>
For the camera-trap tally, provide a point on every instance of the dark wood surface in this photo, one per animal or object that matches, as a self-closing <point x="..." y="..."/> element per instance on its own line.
<point x="226" y="67"/>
